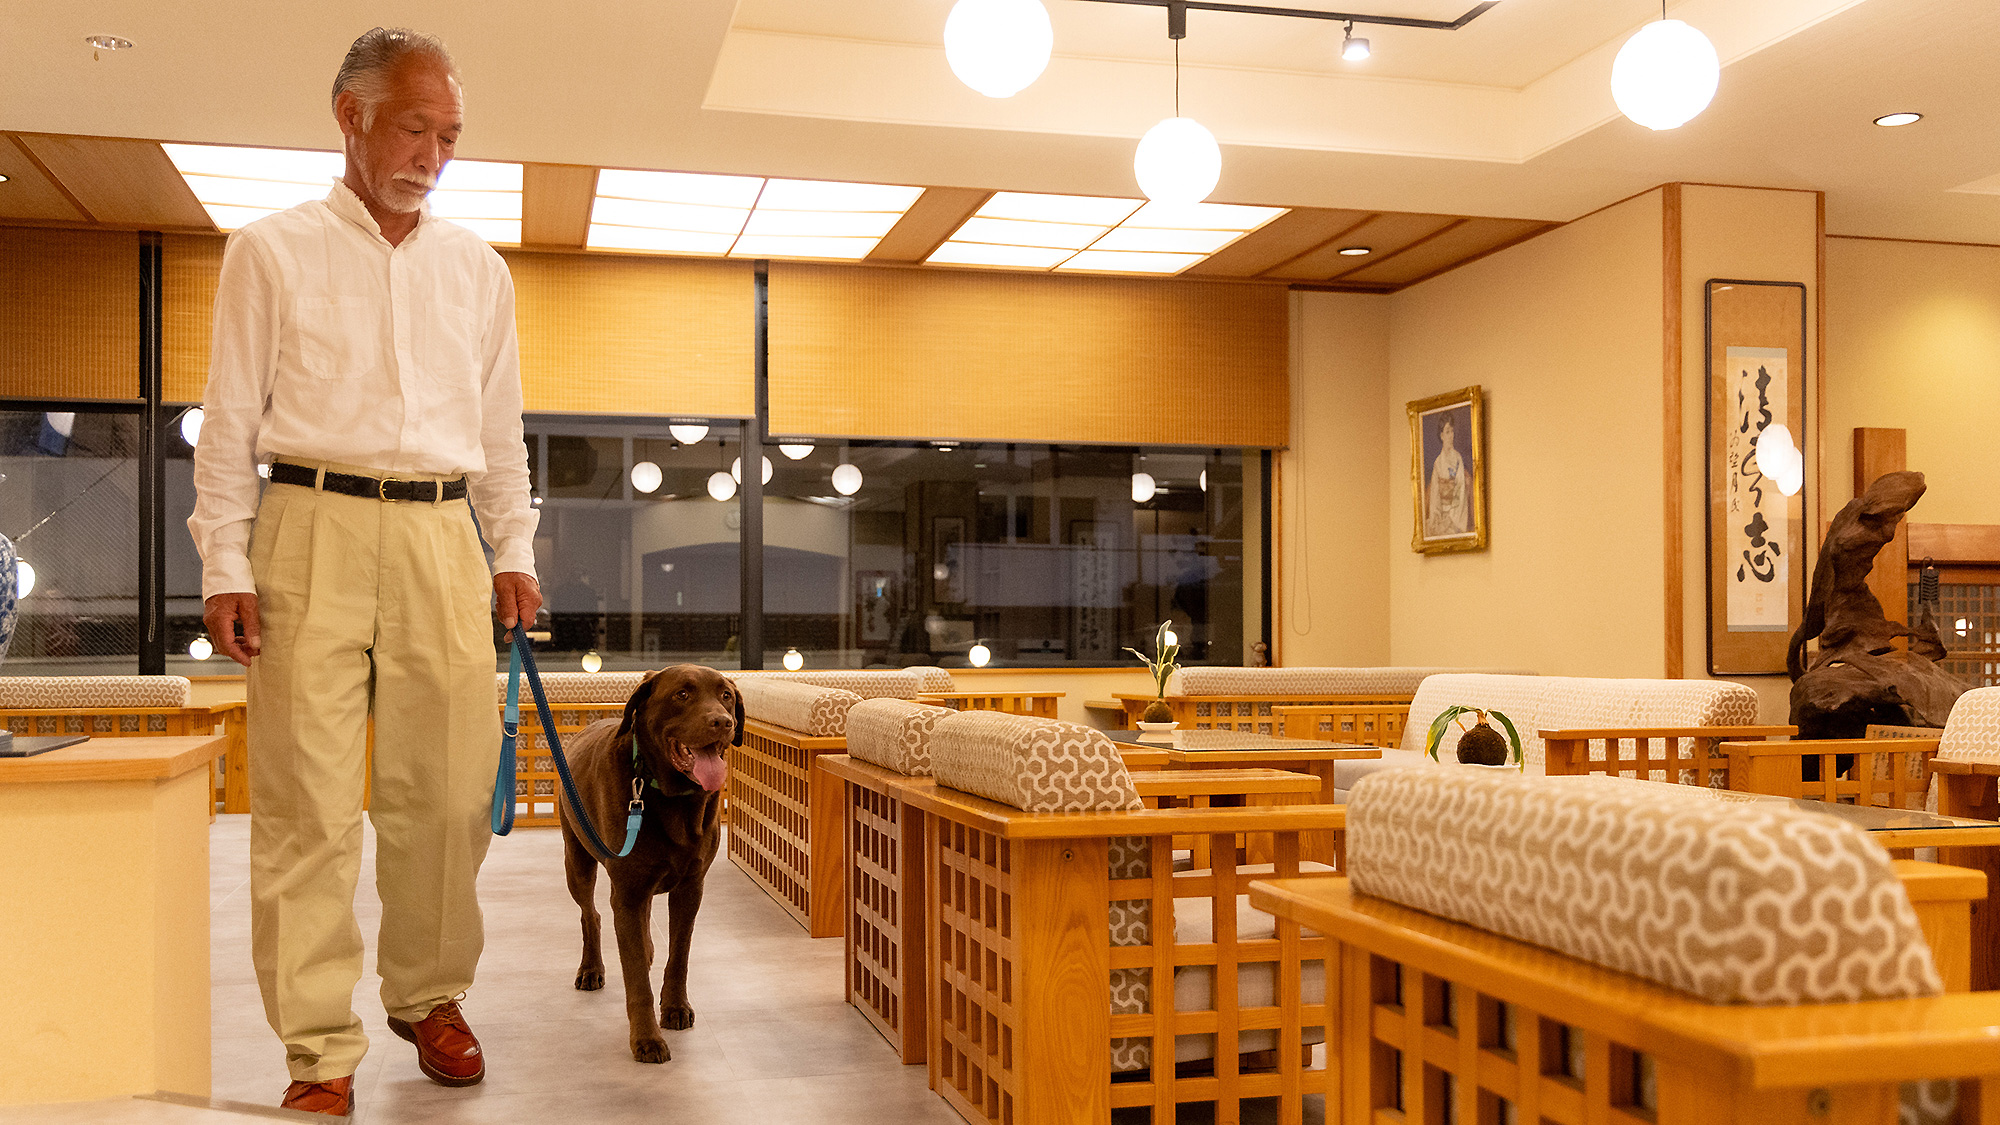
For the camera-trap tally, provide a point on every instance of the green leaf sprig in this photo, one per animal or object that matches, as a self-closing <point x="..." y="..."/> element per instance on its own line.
<point x="1438" y="725"/>
<point x="1163" y="665"/>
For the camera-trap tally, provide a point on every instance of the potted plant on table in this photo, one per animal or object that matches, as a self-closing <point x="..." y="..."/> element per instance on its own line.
<point x="1480" y="745"/>
<point x="1163" y="664"/>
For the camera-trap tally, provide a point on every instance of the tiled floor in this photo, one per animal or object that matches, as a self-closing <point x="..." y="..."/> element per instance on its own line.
<point x="773" y="1041"/>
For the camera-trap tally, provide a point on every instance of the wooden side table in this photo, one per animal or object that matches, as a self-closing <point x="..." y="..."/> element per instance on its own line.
<point x="104" y="877"/>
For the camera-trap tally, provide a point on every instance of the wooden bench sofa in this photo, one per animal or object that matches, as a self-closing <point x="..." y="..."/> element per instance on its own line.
<point x="1518" y="950"/>
<point x="1054" y="991"/>
<point x="1250" y="699"/>
<point x="1570" y="724"/>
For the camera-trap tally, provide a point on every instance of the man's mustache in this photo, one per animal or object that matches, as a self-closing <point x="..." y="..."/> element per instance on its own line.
<point x="425" y="183"/>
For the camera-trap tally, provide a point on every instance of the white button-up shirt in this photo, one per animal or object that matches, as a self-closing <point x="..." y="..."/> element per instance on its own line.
<point x="332" y="345"/>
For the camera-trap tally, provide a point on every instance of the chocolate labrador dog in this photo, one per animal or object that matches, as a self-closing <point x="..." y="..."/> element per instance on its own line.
<point x="671" y="752"/>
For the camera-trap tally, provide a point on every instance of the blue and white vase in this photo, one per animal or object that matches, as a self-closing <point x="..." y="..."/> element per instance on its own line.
<point x="10" y="604"/>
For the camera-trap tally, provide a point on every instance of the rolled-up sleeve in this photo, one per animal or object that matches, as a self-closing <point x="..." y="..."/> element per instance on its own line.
<point x="242" y="363"/>
<point x="500" y="493"/>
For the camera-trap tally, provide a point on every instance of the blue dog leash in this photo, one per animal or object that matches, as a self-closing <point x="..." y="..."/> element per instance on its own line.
<point x="510" y="726"/>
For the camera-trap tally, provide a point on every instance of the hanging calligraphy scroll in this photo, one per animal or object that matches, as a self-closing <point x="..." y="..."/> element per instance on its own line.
<point x="1756" y="534"/>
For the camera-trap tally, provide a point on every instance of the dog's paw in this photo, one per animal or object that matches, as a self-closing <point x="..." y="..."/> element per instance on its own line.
<point x="651" y="1050"/>
<point x="590" y="980"/>
<point x="676" y="1019"/>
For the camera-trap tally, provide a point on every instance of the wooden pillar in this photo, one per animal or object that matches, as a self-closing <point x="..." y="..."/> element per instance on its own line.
<point x="1876" y="452"/>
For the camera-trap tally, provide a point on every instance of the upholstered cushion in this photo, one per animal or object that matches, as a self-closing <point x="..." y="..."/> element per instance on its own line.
<point x="894" y="734"/>
<point x="576" y="687"/>
<point x="1972" y="733"/>
<point x="93" y="691"/>
<point x="1734" y="901"/>
<point x="931" y="678"/>
<point x="1303" y="681"/>
<point x="1538" y="703"/>
<point x="868" y="683"/>
<point x="1041" y="765"/>
<point x="816" y="712"/>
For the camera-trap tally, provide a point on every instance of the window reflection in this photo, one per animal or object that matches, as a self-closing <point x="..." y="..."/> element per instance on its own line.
<point x="69" y="500"/>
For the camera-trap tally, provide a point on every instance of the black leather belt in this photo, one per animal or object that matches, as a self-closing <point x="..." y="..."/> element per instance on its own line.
<point x="349" y="484"/>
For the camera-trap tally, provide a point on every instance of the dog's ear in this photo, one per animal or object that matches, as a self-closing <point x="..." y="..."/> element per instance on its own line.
<point x="635" y="705"/>
<point x="738" y="693"/>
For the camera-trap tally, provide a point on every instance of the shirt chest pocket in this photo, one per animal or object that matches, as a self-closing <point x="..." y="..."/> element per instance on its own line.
<point x="338" y="337"/>
<point x="450" y="345"/>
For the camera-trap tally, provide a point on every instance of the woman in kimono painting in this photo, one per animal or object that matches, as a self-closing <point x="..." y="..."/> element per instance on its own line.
<point x="1448" y="492"/>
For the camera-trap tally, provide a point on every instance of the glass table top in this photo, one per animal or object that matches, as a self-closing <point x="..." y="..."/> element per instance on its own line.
<point x="1224" y="740"/>
<point x="1872" y="818"/>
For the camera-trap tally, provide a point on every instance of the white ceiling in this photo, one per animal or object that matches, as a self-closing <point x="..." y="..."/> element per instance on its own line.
<point x="1510" y="116"/>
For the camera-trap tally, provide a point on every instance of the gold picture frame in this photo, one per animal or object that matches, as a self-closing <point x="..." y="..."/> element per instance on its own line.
<point x="1448" y="472"/>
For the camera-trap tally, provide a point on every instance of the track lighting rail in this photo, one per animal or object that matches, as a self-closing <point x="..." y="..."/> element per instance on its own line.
<point x="1177" y="14"/>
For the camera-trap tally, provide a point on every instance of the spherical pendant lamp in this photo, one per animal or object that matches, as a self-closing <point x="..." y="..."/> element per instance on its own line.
<point x="846" y="480"/>
<point x="1178" y="161"/>
<point x="998" y="47"/>
<point x="721" y="485"/>
<point x="1665" y="75"/>
<point x="647" y="477"/>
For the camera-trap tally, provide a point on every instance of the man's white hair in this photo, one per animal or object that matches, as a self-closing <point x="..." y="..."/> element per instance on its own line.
<point x="373" y="59"/>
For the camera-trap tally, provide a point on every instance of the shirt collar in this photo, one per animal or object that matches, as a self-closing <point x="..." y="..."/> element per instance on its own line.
<point x="343" y="202"/>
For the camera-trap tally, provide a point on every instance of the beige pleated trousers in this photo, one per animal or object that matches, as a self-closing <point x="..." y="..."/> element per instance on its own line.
<point x="366" y="604"/>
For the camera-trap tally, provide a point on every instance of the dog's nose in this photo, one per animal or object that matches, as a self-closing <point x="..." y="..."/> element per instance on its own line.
<point x="721" y="722"/>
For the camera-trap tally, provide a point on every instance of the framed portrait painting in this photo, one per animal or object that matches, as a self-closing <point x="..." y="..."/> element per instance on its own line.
<point x="1448" y="472"/>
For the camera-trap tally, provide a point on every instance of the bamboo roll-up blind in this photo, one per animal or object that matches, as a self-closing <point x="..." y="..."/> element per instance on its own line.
<point x="611" y="334"/>
<point x="1026" y="357"/>
<point x="69" y="314"/>
<point x="189" y="267"/>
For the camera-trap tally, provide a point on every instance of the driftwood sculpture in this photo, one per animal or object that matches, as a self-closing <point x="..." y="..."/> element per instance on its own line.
<point x="1858" y="677"/>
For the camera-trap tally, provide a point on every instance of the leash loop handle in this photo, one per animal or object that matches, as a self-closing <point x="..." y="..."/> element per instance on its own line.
<point x="523" y="657"/>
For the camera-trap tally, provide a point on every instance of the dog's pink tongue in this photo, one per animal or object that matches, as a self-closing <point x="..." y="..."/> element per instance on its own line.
<point x="710" y="770"/>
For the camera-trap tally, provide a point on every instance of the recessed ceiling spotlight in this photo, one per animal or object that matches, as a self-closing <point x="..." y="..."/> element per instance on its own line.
<point x="3" y="177"/>
<point x="1353" y="251"/>
<point x="1352" y="49"/>
<point x="1891" y="120"/>
<point x="107" y="42"/>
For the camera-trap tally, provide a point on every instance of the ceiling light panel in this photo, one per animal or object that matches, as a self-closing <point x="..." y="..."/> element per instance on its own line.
<point x="1095" y="235"/>
<point x="743" y="216"/>
<point x="237" y="186"/>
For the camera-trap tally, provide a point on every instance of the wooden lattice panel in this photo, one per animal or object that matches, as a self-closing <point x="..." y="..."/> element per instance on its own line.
<point x="775" y="797"/>
<point x="537" y="789"/>
<point x="1892" y="772"/>
<point x="1255" y="714"/>
<point x="1685" y="756"/>
<point x="1041" y="704"/>
<point x="1373" y="725"/>
<point x="885" y="931"/>
<point x="1431" y="1049"/>
<point x="1022" y="965"/>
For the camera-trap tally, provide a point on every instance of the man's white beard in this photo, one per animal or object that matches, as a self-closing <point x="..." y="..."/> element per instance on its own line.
<point x="406" y="193"/>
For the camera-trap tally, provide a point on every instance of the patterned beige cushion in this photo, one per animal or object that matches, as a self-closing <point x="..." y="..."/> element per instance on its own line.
<point x="894" y="734"/>
<point x="575" y="687"/>
<point x="868" y="683"/>
<point x="1538" y="703"/>
<point x="57" y="692"/>
<point x="1305" y="681"/>
<point x="1972" y="733"/>
<point x="931" y="677"/>
<point x="1041" y="765"/>
<point x="815" y="712"/>
<point x="1734" y="901"/>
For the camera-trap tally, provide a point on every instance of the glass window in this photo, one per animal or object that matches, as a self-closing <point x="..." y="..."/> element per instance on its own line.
<point x="639" y="562"/>
<point x="69" y="498"/>
<point x="883" y="553"/>
<point x="184" y="626"/>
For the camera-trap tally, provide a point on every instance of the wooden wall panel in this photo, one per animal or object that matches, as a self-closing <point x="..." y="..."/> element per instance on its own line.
<point x="189" y="267"/>
<point x="69" y="314"/>
<point x="1021" y="357"/>
<point x="609" y="334"/>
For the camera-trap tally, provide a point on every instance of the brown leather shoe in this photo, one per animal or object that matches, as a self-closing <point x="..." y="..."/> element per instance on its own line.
<point x="446" y="1049"/>
<point x="334" y="1097"/>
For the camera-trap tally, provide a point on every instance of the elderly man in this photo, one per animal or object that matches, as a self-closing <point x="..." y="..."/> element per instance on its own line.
<point x="366" y="350"/>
